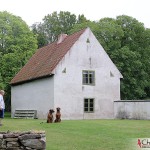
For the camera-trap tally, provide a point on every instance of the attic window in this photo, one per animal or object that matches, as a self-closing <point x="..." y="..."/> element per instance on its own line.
<point x="111" y="74"/>
<point x="88" y="77"/>
<point x="87" y="41"/>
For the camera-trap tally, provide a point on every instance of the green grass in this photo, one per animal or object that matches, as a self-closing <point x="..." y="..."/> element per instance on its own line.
<point x="84" y="134"/>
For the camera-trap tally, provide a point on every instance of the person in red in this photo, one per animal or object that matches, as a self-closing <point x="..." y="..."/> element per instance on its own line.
<point x="139" y="142"/>
<point x="2" y="106"/>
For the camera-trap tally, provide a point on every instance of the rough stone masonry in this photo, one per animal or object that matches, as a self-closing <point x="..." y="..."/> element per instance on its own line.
<point x="31" y="140"/>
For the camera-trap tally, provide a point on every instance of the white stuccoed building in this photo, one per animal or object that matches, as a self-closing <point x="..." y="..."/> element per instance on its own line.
<point x="74" y="73"/>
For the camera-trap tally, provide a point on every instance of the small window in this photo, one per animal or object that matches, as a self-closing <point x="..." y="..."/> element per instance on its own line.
<point x="89" y="105"/>
<point x="88" y="77"/>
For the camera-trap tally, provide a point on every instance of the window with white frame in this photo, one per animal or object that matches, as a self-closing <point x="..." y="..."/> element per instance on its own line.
<point x="88" y="77"/>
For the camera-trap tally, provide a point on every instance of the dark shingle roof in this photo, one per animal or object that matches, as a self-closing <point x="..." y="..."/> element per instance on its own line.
<point x="44" y="61"/>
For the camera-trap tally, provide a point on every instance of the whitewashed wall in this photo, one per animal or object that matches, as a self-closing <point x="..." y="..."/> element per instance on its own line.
<point x="68" y="88"/>
<point x="36" y="95"/>
<point x="65" y="90"/>
<point x="132" y="109"/>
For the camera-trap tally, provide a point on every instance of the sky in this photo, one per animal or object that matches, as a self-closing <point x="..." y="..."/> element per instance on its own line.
<point x="32" y="11"/>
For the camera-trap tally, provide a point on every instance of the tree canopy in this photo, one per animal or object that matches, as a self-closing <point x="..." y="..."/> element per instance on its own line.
<point x="126" y="41"/>
<point x="54" y="24"/>
<point x="17" y="44"/>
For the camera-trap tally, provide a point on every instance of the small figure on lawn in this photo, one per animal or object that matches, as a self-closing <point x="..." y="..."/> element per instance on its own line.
<point x="58" y="115"/>
<point x="50" y="116"/>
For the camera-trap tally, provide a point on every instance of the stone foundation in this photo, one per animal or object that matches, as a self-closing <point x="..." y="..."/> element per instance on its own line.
<point x="32" y="140"/>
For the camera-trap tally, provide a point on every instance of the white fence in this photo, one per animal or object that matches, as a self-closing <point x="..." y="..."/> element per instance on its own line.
<point x="132" y="109"/>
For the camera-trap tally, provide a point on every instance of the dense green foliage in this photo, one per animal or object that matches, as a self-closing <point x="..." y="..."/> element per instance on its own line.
<point x="125" y="39"/>
<point x="84" y="134"/>
<point x="17" y="44"/>
<point x="53" y="25"/>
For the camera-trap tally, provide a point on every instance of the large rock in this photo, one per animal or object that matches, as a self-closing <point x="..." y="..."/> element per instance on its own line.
<point x="10" y="136"/>
<point x="1" y="136"/>
<point x="11" y="139"/>
<point x="29" y="136"/>
<point x="12" y="144"/>
<point x="34" y="143"/>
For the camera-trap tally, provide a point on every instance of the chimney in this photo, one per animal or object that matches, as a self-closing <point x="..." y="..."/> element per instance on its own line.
<point x="61" y="37"/>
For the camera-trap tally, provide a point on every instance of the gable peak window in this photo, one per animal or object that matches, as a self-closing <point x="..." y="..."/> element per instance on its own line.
<point x="88" y="77"/>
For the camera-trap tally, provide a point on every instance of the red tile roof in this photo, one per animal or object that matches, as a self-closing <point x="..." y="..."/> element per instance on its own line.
<point x="44" y="61"/>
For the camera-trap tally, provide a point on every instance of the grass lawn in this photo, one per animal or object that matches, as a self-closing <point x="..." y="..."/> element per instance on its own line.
<point x="84" y="134"/>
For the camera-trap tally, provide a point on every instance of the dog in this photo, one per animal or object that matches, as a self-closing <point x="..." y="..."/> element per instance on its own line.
<point x="50" y="116"/>
<point x="58" y="115"/>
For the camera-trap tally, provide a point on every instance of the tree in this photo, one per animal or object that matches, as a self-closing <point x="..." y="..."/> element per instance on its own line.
<point x="128" y="62"/>
<point x="1" y="82"/>
<point x="109" y="34"/>
<point x="55" y="24"/>
<point x="81" y="19"/>
<point x="39" y="32"/>
<point x="126" y="41"/>
<point x="17" y="44"/>
<point x="146" y="60"/>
